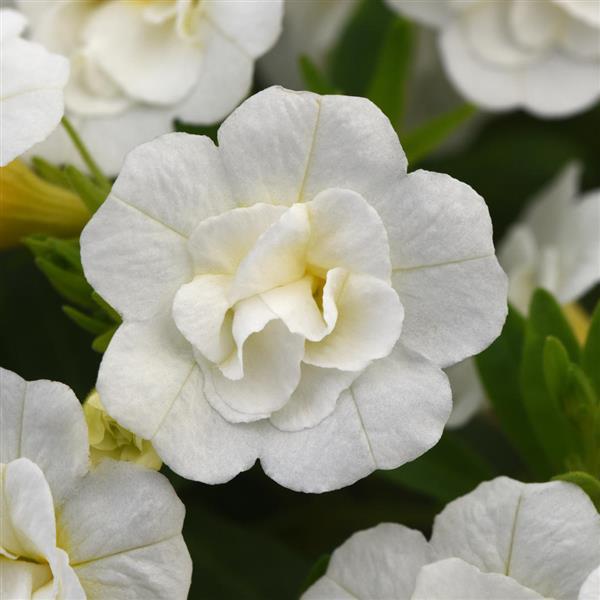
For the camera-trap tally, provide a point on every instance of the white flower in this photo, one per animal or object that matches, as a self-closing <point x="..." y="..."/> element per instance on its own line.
<point x="288" y="295"/>
<point x="506" y="540"/>
<point x="136" y="66"/>
<point x="310" y="28"/>
<point x="32" y="82"/>
<point x="556" y="246"/>
<point x="543" y="55"/>
<point x="69" y="533"/>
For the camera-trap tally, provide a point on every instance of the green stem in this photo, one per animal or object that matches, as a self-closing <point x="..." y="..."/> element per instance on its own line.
<point x="91" y="164"/>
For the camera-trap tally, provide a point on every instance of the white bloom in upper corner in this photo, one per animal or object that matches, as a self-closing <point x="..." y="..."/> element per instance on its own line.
<point x="70" y="533"/>
<point x="556" y="246"/>
<point x="138" y="65"/>
<point x="543" y="55"/>
<point x="290" y="294"/>
<point x="311" y="28"/>
<point x="32" y="82"/>
<point x="506" y="540"/>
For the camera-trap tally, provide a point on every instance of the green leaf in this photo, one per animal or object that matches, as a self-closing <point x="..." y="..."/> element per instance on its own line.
<point x="100" y="343"/>
<point x="553" y="429"/>
<point x="106" y="307"/>
<point x="71" y="286"/>
<point x="547" y="318"/>
<point x="423" y="140"/>
<point x="556" y="368"/>
<point x="591" y="352"/>
<point x="588" y="483"/>
<point x="92" y="194"/>
<point x="353" y="59"/>
<point x="388" y="84"/>
<point x="499" y="368"/>
<point x="314" y="79"/>
<point x="50" y="173"/>
<point x="450" y="469"/>
<point x="316" y="572"/>
<point x="90" y="324"/>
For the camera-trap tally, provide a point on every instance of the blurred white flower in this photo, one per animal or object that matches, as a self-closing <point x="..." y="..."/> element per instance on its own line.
<point x="310" y="27"/>
<point x="32" y="82"/>
<point x="505" y="540"/>
<point x="555" y="245"/>
<point x="543" y="56"/>
<point x="290" y="294"/>
<point x="69" y="533"/>
<point x="136" y="66"/>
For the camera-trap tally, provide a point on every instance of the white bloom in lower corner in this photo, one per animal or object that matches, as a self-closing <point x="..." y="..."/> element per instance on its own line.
<point x="543" y="55"/>
<point x="136" y="66"/>
<point x="70" y="533"/>
<point x="506" y="540"/>
<point x="555" y="245"/>
<point x="32" y="82"/>
<point x="289" y="295"/>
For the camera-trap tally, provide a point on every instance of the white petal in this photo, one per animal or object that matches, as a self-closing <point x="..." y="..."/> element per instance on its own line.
<point x="271" y="371"/>
<point x="283" y="147"/>
<point x="28" y="526"/>
<point x="545" y="536"/>
<point x="454" y="579"/>
<point x="468" y="395"/>
<point x="255" y="25"/>
<point x="382" y="562"/>
<point x="142" y="373"/>
<point x="19" y="578"/>
<point x="579" y="249"/>
<point x="485" y="28"/>
<point x="367" y="328"/>
<point x="223" y="81"/>
<point x="590" y="590"/>
<point x="347" y="232"/>
<point x="43" y="421"/>
<point x="453" y="310"/>
<point x="277" y="258"/>
<point x="393" y="412"/>
<point x="66" y="584"/>
<point x="535" y="25"/>
<point x="12" y="23"/>
<point x="314" y="399"/>
<point x="586" y="11"/>
<point x="581" y="40"/>
<point x="148" y="60"/>
<point x="219" y="243"/>
<point x="32" y="104"/>
<point x="198" y="443"/>
<point x="434" y="14"/>
<point x="165" y="188"/>
<point x="200" y="311"/>
<point x="122" y="529"/>
<point x="432" y="218"/>
<point x="295" y="306"/>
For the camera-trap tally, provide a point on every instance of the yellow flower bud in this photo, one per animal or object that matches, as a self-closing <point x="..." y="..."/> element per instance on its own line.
<point x="29" y="205"/>
<point x="578" y="319"/>
<point x="109" y="440"/>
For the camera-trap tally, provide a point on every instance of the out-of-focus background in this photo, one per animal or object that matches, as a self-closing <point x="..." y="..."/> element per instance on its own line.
<point x="252" y="538"/>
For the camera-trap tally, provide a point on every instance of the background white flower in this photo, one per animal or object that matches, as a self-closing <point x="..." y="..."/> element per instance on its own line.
<point x="70" y="533"/>
<point x="290" y="294"/>
<point x="136" y="66"/>
<point x="31" y="83"/>
<point x="555" y="245"/>
<point x="506" y="539"/>
<point x="543" y="56"/>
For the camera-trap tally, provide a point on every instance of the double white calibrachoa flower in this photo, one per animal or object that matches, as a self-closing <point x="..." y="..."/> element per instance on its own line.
<point x="289" y="295"/>
<point x="136" y="65"/>
<point x="541" y="55"/>
<point x="31" y="88"/>
<point x="506" y="540"/>
<point x="70" y="533"/>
